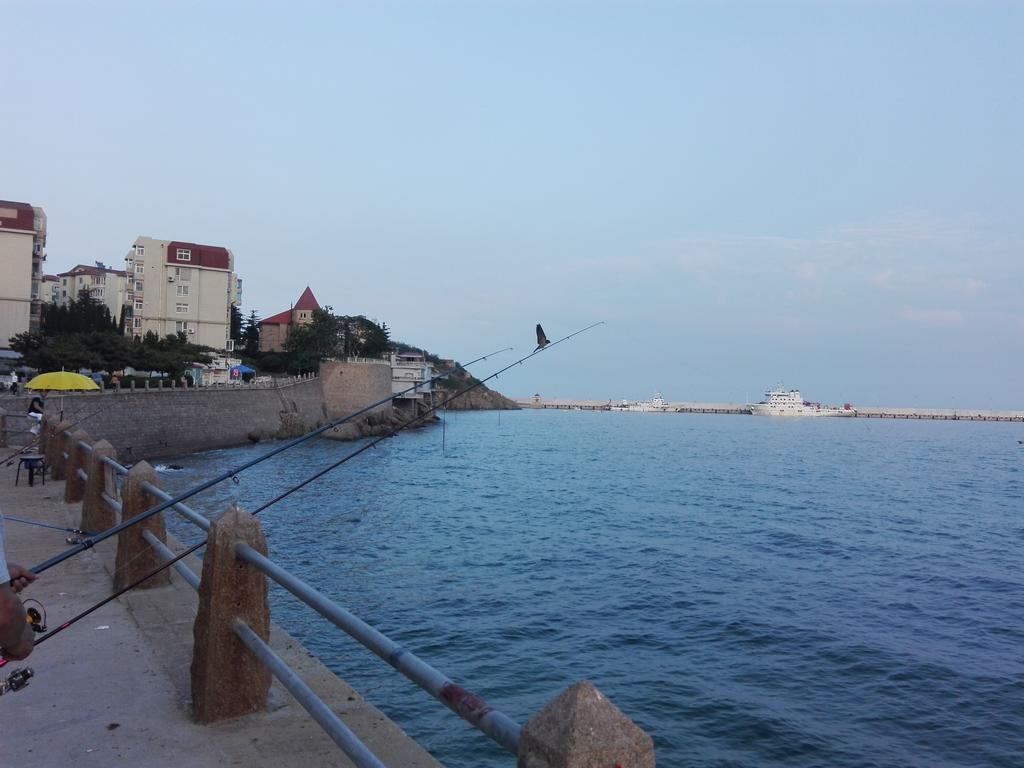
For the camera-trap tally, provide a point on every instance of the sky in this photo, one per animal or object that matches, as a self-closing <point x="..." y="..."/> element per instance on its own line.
<point x="826" y="195"/>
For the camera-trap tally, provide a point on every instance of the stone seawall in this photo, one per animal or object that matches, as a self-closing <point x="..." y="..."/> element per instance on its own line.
<point x="347" y="387"/>
<point x="156" y="423"/>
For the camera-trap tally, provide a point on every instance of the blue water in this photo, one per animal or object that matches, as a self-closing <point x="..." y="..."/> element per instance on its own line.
<point x="751" y="591"/>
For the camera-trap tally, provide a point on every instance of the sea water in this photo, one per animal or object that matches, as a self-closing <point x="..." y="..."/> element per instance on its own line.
<point x="752" y="591"/>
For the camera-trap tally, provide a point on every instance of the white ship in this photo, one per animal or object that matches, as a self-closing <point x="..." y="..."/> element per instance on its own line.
<point x="657" y="403"/>
<point x="781" y="402"/>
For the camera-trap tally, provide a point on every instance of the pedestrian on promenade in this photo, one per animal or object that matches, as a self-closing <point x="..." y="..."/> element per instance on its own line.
<point x="35" y="412"/>
<point x="14" y="383"/>
<point x="16" y="637"/>
<point x="115" y="382"/>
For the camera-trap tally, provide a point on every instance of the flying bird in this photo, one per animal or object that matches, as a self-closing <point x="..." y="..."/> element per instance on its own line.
<point x="542" y="340"/>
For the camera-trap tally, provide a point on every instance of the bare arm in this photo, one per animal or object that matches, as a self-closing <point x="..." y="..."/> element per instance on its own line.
<point x="15" y="633"/>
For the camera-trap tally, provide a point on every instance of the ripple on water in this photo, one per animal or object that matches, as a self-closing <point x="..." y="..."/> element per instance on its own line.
<point x="751" y="592"/>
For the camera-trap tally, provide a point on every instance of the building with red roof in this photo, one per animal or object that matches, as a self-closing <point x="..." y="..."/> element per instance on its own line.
<point x="104" y="284"/>
<point x="174" y="286"/>
<point x="274" y="329"/>
<point x="22" y="253"/>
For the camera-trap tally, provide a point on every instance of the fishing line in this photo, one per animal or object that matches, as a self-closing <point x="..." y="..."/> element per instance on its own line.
<point x="46" y="525"/>
<point x="231" y="473"/>
<point x="70" y="622"/>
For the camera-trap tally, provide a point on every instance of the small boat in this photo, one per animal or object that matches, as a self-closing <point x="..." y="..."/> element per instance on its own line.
<point x="781" y="402"/>
<point x="657" y="403"/>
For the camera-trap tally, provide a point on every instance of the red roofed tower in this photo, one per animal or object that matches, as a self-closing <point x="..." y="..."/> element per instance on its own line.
<point x="274" y="329"/>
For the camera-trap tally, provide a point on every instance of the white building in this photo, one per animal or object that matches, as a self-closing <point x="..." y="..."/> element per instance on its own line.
<point x="179" y="287"/>
<point x="22" y="252"/>
<point x="103" y="284"/>
<point x="408" y="368"/>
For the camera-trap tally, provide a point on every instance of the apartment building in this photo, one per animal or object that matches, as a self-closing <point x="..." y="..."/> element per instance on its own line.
<point x="49" y="291"/>
<point x="103" y="284"/>
<point x="175" y="286"/>
<point x="22" y="252"/>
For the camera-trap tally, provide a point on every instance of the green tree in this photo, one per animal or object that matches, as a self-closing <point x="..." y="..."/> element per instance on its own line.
<point x="251" y="334"/>
<point x="84" y="314"/>
<point x="236" y="324"/>
<point x="321" y="339"/>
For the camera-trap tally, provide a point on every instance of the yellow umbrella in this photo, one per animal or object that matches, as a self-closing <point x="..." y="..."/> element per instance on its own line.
<point x="61" y="381"/>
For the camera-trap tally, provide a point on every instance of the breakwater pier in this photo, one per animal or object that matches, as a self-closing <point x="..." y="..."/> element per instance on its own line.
<point x="939" y="414"/>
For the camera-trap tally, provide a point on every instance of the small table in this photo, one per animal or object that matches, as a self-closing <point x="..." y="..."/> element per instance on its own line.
<point x="33" y="462"/>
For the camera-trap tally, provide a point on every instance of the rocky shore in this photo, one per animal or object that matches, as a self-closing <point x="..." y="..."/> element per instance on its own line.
<point x="381" y="423"/>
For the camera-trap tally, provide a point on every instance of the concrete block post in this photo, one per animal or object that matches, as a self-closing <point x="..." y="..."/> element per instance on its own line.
<point x="55" y="450"/>
<point x="74" y="486"/>
<point x="135" y="558"/>
<point x="582" y="729"/>
<point x="96" y="515"/>
<point x="227" y="680"/>
<point x="45" y="429"/>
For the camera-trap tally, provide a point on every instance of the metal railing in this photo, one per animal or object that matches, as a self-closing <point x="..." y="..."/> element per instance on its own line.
<point x="496" y="725"/>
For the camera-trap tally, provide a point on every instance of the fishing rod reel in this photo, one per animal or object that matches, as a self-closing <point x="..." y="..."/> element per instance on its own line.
<point x="17" y="680"/>
<point x="36" y="617"/>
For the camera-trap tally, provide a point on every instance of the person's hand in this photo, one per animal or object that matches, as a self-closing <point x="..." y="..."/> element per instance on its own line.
<point x="20" y="577"/>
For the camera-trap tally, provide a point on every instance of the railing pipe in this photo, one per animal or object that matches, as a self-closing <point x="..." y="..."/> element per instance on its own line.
<point x="165" y="552"/>
<point x="112" y="463"/>
<point x="113" y="503"/>
<point x="337" y="730"/>
<point x="84" y="445"/>
<point x="83" y="474"/>
<point x="498" y="726"/>
<point x="187" y="512"/>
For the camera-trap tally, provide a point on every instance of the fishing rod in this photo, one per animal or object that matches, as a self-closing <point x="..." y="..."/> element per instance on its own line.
<point x="304" y="483"/>
<point x="91" y="541"/>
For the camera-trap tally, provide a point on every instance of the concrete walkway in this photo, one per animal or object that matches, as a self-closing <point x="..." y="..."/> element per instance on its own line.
<point x="113" y="690"/>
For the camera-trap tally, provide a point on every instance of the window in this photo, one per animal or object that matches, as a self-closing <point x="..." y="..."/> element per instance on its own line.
<point x="140" y="250"/>
<point x="181" y="326"/>
<point x="181" y="308"/>
<point x="138" y="268"/>
<point x="138" y="285"/>
<point x="183" y="273"/>
<point x="183" y="290"/>
<point x="137" y="322"/>
<point x="138" y="306"/>
<point x="184" y="254"/>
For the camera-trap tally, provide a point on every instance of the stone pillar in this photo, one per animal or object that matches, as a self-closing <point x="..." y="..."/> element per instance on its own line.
<point x="74" y="486"/>
<point x="54" y="450"/>
<point x="43" y="438"/>
<point x="227" y="680"/>
<point x="96" y="515"/>
<point x="582" y="729"/>
<point x="135" y="558"/>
